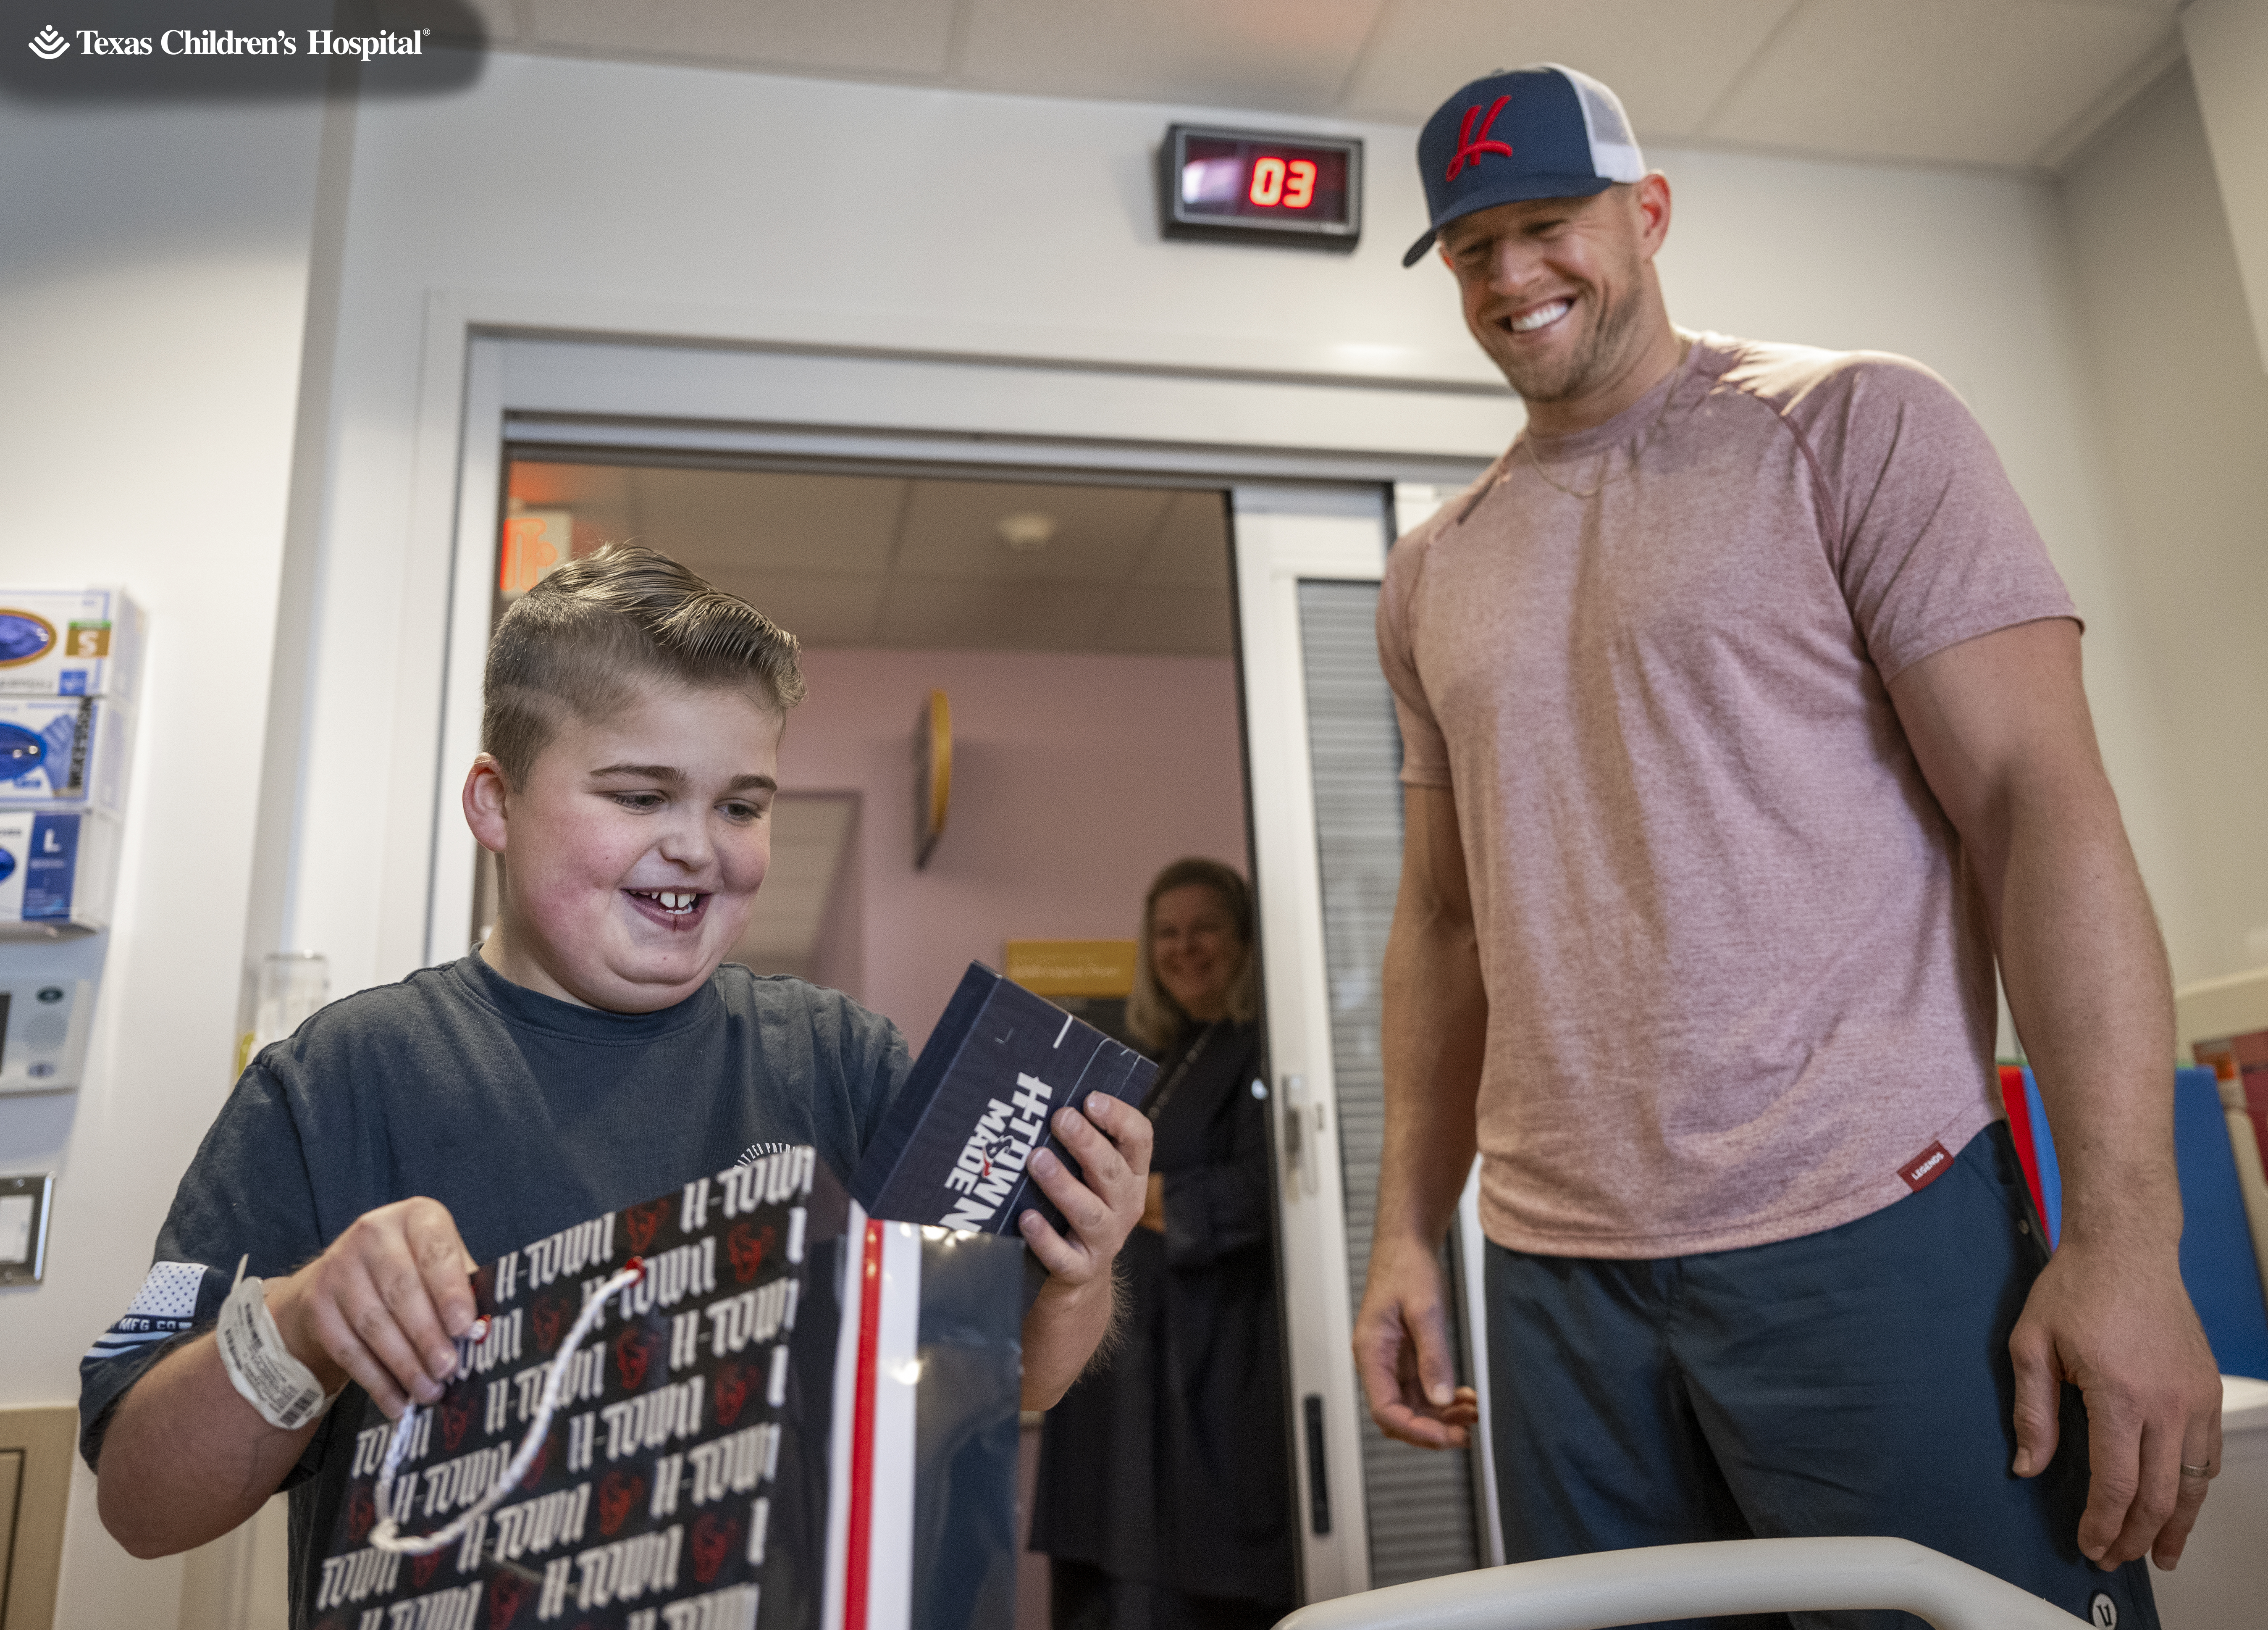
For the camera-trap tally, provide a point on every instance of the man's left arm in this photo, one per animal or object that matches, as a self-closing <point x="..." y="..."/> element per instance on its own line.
<point x="1072" y="1316"/>
<point x="2000" y="727"/>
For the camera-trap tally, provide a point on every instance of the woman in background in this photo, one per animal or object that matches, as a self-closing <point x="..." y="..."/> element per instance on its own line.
<point x="1164" y="1496"/>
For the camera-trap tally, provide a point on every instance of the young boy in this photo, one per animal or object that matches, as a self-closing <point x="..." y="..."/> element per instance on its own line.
<point x="594" y="1051"/>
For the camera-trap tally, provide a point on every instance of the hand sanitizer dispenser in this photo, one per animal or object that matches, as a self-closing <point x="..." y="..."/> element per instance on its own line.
<point x="46" y="1010"/>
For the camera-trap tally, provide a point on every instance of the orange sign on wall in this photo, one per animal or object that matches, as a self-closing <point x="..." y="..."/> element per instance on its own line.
<point x="534" y="541"/>
<point x="1072" y="967"/>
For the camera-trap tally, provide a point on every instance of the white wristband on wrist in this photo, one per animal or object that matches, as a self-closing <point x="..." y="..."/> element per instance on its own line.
<point x="260" y="1366"/>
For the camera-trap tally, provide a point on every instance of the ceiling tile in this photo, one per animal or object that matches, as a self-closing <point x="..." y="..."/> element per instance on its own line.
<point x="598" y="524"/>
<point x="1191" y="547"/>
<point x="541" y="484"/>
<point x="819" y="608"/>
<point x="709" y="517"/>
<point x="1667" y="60"/>
<point x="1168" y="621"/>
<point x="893" y="38"/>
<point x="953" y="530"/>
<point x="598" y="495"/>
<point x="1130" y="569"/>
<point x="2166" y="9"/>
<point x="498" y="21"/>
<point x="1965" y="81"/>
<point x="931" y="614"/>
<point x="1295" y="54"/>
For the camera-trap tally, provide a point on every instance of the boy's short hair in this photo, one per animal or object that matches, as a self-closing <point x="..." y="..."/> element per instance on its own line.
<point x="577" y="645"/>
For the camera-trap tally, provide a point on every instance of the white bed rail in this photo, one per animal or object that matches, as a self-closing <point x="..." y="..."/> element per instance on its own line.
<point x="1613" y="1588"/>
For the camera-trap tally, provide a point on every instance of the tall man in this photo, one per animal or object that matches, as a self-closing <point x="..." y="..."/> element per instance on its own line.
<point x="1742" y="728"/>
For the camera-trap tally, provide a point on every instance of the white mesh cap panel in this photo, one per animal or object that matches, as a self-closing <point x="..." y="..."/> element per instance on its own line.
<point x="1614" y="149"/>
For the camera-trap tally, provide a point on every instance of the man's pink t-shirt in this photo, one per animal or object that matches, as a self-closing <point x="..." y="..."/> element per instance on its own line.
<point x="1737" y="975"/>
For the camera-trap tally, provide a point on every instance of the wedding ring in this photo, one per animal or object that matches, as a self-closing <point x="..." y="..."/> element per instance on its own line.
<point x="2204" y="1471"/>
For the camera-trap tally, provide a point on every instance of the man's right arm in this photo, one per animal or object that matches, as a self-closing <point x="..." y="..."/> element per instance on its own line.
<point x="1435" y="1028"/>
<point x="186" y="1458"/>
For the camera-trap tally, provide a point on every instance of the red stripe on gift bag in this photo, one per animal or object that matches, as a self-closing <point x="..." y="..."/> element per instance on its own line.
<point x="862" y="1433"/>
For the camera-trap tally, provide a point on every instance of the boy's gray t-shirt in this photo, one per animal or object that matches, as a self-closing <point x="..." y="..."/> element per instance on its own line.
<point x="520" y="1113"/>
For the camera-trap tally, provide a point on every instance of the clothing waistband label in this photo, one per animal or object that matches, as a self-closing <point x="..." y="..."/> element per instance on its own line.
<point x="1926" y="1166"/>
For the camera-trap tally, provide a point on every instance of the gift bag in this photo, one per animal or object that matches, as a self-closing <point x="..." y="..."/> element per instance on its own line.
<point x="765" y="1410"/>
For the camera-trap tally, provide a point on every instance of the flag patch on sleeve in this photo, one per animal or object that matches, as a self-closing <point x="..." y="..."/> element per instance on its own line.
<point x="164" y="1307"/>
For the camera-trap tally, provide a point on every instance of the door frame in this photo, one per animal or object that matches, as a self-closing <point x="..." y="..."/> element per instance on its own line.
<point x="1285" y="536"/>
<point x="1289" y="451"/>
<point x="830" y="406"/>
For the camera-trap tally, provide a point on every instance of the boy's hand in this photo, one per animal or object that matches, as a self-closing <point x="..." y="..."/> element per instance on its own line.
<point x="384" y="1305"/>
<point x="1153" y="1204"/>
<point x="1102" y="1210"/>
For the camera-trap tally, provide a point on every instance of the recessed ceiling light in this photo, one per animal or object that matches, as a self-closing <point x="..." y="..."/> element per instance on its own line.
<point x="1028" y="531"/>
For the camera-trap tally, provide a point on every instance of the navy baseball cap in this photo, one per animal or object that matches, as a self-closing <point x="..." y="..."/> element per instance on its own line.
<point x="1543" y="131"/>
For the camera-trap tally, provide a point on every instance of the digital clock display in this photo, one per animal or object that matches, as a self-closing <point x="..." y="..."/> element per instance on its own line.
<point x="1250" y="185"/>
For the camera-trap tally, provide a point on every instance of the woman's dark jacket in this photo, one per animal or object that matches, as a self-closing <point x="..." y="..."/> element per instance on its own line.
<point x="1170" y="1465"/>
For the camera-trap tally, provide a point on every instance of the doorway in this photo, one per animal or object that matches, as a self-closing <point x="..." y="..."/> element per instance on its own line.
<point x="1082" y="634"/>
<point x="1318" y="475"/>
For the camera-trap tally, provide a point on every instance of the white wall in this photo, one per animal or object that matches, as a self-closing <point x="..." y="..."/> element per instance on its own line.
<point x="1969" y="272"/>
<point x="2185" y="403"/>
<point x="153" y="280"/>
<point x="1076" y="777"/>
<point x="2227" y="42"/>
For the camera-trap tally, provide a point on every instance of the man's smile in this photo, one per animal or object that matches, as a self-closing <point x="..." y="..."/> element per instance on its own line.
<point x="1539" y="316"/>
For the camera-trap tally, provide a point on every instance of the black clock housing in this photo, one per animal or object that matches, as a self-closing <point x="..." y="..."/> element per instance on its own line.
<point x="1259" y="187"/>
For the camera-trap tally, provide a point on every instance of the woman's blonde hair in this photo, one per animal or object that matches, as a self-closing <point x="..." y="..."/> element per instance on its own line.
<point x="1152" y="1015"/>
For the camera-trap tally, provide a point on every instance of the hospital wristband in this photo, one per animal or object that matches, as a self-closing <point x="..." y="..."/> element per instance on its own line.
<point x="260" y="1367"/>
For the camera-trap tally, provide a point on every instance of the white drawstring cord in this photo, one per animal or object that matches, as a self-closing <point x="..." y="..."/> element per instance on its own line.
<point x="385" y="1536"/>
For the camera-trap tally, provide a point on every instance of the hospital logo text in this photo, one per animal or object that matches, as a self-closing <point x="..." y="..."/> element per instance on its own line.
<point x="49" y="43"/>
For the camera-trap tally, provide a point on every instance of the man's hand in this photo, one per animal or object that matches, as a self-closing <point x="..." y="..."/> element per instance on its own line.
<point x="1072" y="1315"/>
<point x="2115" y="1322"/>
<point x="1401" y="1350"/>
<point x="1433" y="1033"/>
<point x="384" y="1305"/>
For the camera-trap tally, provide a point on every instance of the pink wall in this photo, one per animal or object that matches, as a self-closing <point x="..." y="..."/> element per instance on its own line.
<point x="1075" y="777"/>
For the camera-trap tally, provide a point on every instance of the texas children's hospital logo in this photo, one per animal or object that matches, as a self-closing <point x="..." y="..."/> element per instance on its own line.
<point x="51" y="42"/>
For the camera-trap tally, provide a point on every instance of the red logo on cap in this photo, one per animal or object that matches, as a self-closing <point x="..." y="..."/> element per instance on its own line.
<point x="1472" y="143"/>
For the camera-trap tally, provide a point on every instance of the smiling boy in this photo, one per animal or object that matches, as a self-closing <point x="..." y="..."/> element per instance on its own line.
<point x="595" y="1051"/>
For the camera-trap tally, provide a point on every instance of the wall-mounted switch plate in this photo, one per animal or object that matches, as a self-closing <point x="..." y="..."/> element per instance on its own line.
<point x="23" y="1203"/>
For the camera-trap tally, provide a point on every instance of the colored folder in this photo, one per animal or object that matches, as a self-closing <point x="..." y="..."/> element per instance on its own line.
<point x="2218" y="1266"/>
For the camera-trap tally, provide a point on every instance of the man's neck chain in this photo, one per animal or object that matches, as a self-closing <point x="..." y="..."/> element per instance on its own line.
<point x="1529" y="440"/>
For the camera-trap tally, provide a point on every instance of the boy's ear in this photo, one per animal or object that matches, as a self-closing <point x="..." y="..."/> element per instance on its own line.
<point x="485" y="793"/>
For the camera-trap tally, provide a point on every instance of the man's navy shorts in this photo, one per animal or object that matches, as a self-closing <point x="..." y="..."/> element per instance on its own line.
<point x="1852" y="1381"/>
